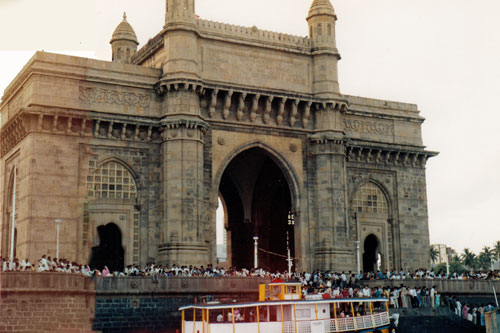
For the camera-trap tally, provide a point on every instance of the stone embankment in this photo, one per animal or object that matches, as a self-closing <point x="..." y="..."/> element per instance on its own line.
<point x="46" y="302"/>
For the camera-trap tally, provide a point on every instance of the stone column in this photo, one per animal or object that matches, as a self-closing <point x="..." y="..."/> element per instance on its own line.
<point x="183" y="239"/>
<point x="330" y="241"/>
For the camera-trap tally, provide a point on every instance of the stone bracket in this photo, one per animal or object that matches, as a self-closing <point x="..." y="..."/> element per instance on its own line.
<point x="388" y="156"/>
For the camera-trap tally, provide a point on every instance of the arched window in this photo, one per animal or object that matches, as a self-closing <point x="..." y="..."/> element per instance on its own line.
<point x="370" y="199"/>
<point x="111" y="180"/>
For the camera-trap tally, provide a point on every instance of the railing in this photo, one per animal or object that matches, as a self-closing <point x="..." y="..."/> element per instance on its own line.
<point x="303" y="326"/>
<point x="357" y="323"/>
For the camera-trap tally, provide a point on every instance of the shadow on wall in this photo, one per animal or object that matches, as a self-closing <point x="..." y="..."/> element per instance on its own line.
<point x="110" y="251"/>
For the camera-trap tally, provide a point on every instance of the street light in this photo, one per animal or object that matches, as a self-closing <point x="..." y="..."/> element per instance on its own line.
<point x="359" y="261"/>
<point x="255" y="249"/>
<point x="58" y="223"/>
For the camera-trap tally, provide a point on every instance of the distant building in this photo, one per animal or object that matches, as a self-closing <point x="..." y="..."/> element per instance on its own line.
<point x="444" y="252"/>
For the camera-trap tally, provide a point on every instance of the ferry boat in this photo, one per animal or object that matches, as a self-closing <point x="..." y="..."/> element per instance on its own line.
<point x="281" y="308"/>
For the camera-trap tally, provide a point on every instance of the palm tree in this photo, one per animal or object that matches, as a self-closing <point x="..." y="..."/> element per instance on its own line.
<point x="496" y="249"/>
<point x="433" y="254"/>
<point x="469" y="259"/>
<point x="485" y="258"/>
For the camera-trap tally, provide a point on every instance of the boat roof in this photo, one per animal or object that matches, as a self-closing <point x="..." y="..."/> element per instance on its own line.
<point x="284" y="283"/>
<point x="288" y="302"/>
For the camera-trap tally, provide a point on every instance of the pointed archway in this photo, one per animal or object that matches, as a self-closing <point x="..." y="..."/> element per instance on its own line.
<point x="371" y="254"/>
<point x="258" y="202"/>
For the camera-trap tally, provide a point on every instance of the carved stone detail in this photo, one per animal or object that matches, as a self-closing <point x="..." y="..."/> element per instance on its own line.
<point x="213" y="103"/>
<point x="307" y="114"/>
<point x="387" y="156"/>
<point x="107" y="96"/>
<point x="281" y="111"/>
<point x="268" y="109"/>
<point x="294" y="111"/>
<point x="255" y="106"/>
<point x="227" y="104"/>
<point x="241" y="106"/>
<point x="371" y="127"/>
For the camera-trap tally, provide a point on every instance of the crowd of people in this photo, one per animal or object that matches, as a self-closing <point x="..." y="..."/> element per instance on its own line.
<point x="333" y="284"/>
<point x="470" y="312"/>
<point x="331" y="279"/>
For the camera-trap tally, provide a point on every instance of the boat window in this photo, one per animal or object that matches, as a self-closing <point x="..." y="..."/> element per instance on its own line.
<point x="287" y="312"/>
<point x="273" y="291"/>
<point x="263" y="313"/>
<point x="272" y="313"/>
<point x="303" y="313"/>
<point x="291" y="290"/>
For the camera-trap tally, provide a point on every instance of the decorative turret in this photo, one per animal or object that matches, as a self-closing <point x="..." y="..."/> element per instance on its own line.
<point x="179" y="10"/>
<point x="124" y="42"/>
<point x="321" y="20"/>
<point x="180" y="40"/>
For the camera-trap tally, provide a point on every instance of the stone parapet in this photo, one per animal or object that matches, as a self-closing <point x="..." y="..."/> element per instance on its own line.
<point x="46" y="302"/>
<point x="252" y="34"/>
<point x="177" y="285"/>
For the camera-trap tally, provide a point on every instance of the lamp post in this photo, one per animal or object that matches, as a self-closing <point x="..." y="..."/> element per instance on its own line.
<point x="255" y="250"/>
<point x="13" y="229"/>
<point x="447" y="266"/>
<point x="359" y="261"/>
<point x="58" y="223"/>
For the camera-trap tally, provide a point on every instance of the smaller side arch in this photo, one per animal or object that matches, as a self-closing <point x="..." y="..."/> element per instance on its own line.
<point x="123" y="164"/>
<point x="371" y="209"/>
<point x="382" y="188"/>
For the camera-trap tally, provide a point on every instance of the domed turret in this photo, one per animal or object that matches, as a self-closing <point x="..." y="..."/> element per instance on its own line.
<point x="321" y="20"/>
<point x="124" y="42"/>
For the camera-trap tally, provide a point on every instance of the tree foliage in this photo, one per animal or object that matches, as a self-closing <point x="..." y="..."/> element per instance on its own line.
<point x="433" y="254"/>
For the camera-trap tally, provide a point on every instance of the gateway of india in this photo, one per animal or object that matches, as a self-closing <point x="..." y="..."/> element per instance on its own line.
<point x="131" y="156"/>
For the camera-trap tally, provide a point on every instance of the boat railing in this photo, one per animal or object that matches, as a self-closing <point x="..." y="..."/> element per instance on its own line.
<point x="357" y="323"/>
<point x="346" y="324"/>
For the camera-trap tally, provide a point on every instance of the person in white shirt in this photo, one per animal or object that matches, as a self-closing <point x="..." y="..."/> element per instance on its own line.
<point x="220" y="318"/>
<point x="42" y="264"/>
<point x="432" y="293"/>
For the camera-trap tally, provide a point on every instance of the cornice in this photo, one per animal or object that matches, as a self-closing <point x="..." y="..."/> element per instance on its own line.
<point x="388" y="154"/>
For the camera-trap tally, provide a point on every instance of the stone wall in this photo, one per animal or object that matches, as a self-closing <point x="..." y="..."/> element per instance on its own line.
<point x="141" y="303"/>
<point x="46" y="302"/>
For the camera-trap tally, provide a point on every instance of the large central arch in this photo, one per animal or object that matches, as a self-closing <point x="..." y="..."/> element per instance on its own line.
<point x="258" y="192"/>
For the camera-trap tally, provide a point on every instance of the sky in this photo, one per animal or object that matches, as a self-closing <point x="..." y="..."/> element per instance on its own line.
<point x="443" y="55"/>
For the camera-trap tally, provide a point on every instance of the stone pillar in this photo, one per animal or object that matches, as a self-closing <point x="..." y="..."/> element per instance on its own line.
<point x="183" y="239"/>
<point x="330" y="247"/>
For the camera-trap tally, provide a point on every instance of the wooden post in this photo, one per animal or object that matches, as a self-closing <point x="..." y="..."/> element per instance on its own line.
<point x="335" y="316"/>
<point x="295" y="318"/>
<point x="194" y="320"/>
<point x="203" y="320"/>
<point x="258" y="320"/>
<point x="232" y="312"/>
<point x="282" y="320"/>
<point x="183" y="322"/>
<point x="354" y="317"/>
<point x="371" y="314"/>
